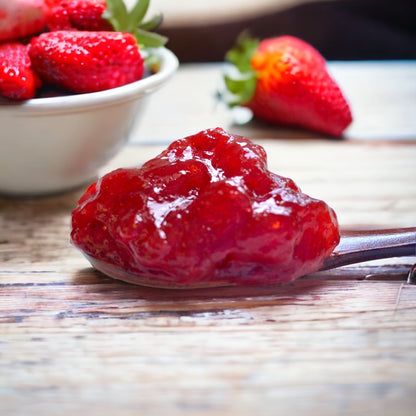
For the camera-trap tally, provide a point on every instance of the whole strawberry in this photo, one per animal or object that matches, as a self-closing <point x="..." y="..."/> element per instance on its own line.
<point x="83" y="61"/>
<point x="284" y="80"/>
<point x="78" y="14"/>
<point x="17" y="79"/>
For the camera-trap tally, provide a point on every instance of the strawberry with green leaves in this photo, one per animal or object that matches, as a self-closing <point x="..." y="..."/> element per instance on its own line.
<point x="17" y="79"/>
<point x="284" y="80"/>
<point x="85" y="61"/>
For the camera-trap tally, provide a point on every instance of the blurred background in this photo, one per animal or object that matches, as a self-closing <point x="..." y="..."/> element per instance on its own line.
<point x="202" y="31"/>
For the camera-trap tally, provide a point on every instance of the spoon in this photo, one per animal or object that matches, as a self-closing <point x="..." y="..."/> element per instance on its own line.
<point x="361" y="246"/>
<point x="354" y="247"/>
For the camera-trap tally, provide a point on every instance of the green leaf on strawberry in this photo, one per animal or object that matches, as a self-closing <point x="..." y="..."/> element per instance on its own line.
<point x="124" y="20"/>
<point x="241" y="54"/>
<point x="241" y="79"/>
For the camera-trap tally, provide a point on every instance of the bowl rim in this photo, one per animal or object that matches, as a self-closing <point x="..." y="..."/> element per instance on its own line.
<point x="168" y="66"/>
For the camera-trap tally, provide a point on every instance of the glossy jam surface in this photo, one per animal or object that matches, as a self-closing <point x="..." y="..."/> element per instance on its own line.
<point x="206" y="209"/>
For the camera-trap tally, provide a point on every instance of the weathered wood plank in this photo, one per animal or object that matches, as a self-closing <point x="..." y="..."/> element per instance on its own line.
<point x="334" y="343"/>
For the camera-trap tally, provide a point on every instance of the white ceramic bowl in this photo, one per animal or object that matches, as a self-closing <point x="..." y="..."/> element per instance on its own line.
<point x="54" y="144"/>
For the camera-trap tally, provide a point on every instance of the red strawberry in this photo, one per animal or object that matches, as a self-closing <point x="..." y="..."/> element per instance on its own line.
<point x="88" y="61"/>
<point x="284" y="80"/>
<point x="17" y="80"/>
<point x="78" y="14"/>
<point x="20" y="18"/>
<point x="83" y="61"/>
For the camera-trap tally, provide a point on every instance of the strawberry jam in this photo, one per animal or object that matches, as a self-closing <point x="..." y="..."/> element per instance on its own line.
<point x="206" y="209"/>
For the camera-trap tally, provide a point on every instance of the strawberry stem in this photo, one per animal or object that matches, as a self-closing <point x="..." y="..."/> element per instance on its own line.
<point x="137" y="14"/>
<point x="240" y="78"/>
<point x="241" y="54"/>
<point x="116" y="13"/>
<point x="149" y="39"/>
<point x="131" y="21"/>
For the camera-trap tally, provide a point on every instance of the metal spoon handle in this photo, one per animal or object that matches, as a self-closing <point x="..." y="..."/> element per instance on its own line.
<point x="361" y="246"/>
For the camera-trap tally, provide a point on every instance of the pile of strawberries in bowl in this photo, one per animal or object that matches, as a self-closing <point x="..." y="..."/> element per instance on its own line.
<point x="77" y="46"/>
<point x="73" y="77"/>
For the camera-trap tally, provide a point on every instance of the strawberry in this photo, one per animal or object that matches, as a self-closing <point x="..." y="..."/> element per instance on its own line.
<point x="284" y="80"/>
<point x="21" y="18"/>
<point x="78" y="14"/>
<point x="17" y="79"/>
<point x="84" y="61"/>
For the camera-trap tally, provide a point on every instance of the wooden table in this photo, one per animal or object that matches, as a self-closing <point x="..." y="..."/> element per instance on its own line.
<point x="73" y="342"/>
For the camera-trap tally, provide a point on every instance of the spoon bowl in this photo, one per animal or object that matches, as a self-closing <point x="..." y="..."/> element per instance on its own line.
<point x="354" y="247"/>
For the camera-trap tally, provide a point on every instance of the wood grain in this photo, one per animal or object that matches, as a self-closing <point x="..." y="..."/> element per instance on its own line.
<point x="342" y="342"/>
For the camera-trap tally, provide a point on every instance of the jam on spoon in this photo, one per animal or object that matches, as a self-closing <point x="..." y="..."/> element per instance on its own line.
<point x="205" y="212"/>
<point x="355" y="247"/>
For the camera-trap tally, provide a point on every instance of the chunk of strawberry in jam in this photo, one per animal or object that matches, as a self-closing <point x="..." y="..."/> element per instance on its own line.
<point x="205" y="210"/>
